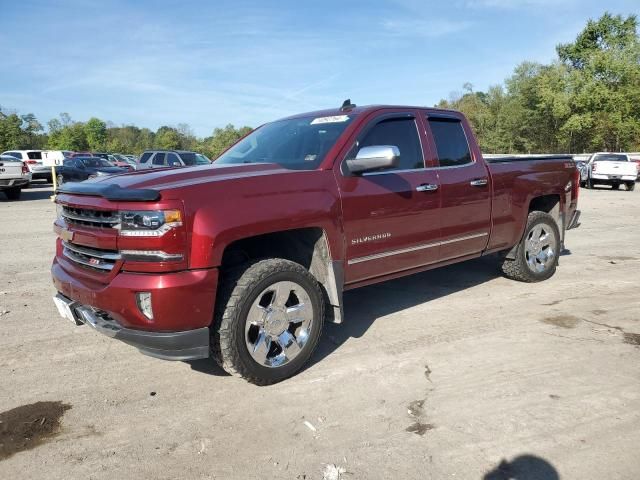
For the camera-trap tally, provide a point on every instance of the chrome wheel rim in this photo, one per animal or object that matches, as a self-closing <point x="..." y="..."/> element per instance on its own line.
<point x="539" y="247"/>
<point x="278" y="324"/>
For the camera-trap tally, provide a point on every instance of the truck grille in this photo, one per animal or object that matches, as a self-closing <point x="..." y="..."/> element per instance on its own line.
<point x="91" y="218"/>
<point x="103" y="260"/>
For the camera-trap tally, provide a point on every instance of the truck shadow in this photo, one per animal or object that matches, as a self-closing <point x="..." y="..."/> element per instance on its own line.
<point x="31" y="193"/>
<point x="364" y="305"/>
<point x="523" y="467"/>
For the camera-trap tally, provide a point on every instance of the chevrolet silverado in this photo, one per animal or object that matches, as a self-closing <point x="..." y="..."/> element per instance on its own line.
<point x="243" y="260"/>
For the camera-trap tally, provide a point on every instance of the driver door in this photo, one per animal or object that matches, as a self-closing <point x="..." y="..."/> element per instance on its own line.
<point x="390" y="217"/>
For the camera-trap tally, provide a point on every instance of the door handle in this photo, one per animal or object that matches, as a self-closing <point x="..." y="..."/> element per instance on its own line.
<point x="426" y="187"/>
<point x="479" y="182"/>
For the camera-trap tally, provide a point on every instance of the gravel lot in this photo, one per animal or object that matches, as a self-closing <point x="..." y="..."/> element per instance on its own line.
<point x="456" y="372"/>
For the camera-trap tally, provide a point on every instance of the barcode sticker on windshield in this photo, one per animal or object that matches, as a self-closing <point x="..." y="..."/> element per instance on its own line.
<point x="334" y="119"/>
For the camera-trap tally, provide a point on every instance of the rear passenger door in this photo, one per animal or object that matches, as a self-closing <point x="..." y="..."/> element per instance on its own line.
<point x="173" y="160"/>
<point x="391" y="218"/>
<point x="465" y="188"/>
<point x="159" y="160"/>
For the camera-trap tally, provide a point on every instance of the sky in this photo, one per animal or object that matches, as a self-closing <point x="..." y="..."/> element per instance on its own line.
<point x="210" y="63"/>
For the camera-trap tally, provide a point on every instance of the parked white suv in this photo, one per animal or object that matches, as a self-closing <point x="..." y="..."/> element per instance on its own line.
<point x="604" y="168"/>
<point x="34" y="160"/>
<point x="14" y="175"/>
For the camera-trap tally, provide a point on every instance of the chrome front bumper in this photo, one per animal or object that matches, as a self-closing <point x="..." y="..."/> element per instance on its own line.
<point x="185" y="345"/>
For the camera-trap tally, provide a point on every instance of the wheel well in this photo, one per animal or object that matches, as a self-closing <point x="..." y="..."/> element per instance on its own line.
<point x="546" y="203"/>
<point x="307" y="246"/>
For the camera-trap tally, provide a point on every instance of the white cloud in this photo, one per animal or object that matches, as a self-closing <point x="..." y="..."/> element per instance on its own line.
<point x="424" y="28"/>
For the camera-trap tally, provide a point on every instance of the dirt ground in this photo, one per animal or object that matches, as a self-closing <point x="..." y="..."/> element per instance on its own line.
<point x="454" y="373"/>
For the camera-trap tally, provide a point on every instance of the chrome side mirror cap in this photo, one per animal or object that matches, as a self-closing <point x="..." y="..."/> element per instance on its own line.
<point x="375" y="157"/>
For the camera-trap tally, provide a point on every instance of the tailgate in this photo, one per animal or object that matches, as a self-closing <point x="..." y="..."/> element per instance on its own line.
<point x="10" y="169"/>
<point x="614" y="168"/>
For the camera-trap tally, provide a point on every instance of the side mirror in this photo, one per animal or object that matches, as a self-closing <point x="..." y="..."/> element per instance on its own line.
<point x="375" y="157"/>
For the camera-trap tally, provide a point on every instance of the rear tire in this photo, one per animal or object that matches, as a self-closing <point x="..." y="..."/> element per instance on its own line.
<point x="536" y="256"/>
<point x="268" y="320"/>
<point x="13" y="193"/>
<point x="615" y="186"/>
<point x="631" y="186"/>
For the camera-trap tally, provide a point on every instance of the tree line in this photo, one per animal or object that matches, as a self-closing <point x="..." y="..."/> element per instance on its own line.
<point x="25" y="132"/>
<point x="586" y="100"/>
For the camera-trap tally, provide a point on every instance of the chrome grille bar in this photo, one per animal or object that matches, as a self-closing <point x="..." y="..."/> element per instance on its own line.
<point x="94" y="218"/>
<point x="99" y="259"/>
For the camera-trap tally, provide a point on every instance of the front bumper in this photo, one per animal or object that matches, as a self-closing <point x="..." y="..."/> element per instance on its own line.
<point x="180" y="300"/>
<point x="184" y="345"/>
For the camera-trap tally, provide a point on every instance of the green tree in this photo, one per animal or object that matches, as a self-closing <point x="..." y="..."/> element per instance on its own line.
<point x="65" y="134"/>
<point x="168" y="138"/>
<point x="96" y="133"/>
<point x="222" y="139"/>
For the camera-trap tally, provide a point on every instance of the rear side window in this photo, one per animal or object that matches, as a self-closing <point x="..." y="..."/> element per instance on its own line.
<point x="34" y="155"/>
<point x="399" y="132"/>
<point x="145" y="157"/>
<point x="158" y="159"/>
<point x="17" y="155"/>
<point x="610" y="157"/>
<point x="451" y="142"/>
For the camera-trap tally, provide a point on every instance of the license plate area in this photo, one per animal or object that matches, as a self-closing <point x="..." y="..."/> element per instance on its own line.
<point x="64" y="306"/>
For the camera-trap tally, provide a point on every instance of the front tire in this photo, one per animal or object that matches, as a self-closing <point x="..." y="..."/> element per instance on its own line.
<point x="268" y="320"/>
<point x="631" y="186"/>
<point x="536" y="256"/>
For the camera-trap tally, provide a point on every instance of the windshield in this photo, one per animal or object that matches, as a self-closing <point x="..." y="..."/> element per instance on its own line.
<point x="610" y="157"/>
<point x="95" y="162"/>
<point x="190" y="158"/>
<point x="297" y="144"/>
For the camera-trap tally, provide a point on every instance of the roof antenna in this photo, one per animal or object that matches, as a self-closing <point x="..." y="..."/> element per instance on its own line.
<point x="347" y="105"/>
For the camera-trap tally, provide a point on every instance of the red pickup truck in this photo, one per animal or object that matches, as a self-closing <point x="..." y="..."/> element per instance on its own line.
<point x="243" y="260"/>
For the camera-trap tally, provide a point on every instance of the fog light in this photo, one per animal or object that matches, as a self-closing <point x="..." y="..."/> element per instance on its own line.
<point x="143" y="300"/>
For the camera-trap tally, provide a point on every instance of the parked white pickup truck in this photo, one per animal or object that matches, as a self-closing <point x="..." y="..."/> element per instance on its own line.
<point x="612" y="169"/>
<point x="14" y="174"/>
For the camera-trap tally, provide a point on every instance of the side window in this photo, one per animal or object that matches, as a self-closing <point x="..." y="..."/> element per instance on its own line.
<point x="15" y="155"/>
<point x="158" y="159"/>
<point x="145" y="157"/>
<point x="399" y="132"/>
<point x="173" y="160"/>
<point x="451" y="142"/>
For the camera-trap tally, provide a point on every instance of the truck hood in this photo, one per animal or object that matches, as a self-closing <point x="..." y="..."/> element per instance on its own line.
<point x="169" y="178"/>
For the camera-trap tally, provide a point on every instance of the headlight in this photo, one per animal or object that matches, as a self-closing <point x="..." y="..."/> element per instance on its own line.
<point x="148" y="223"/>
